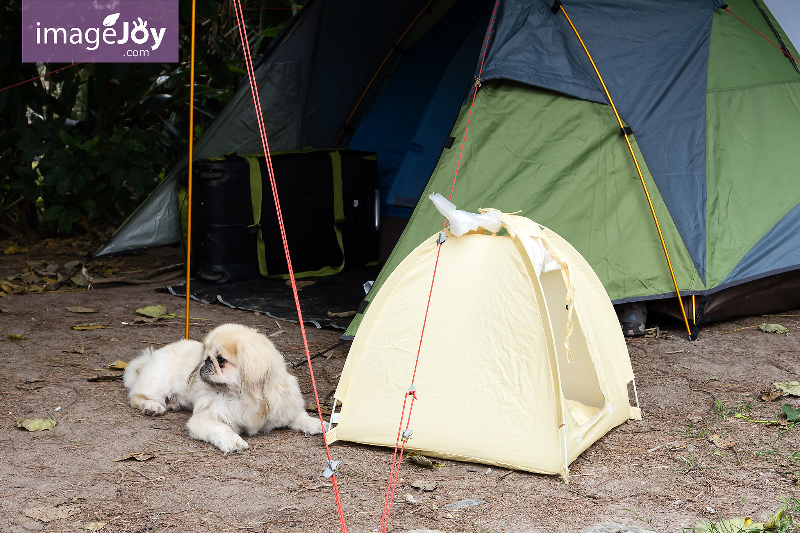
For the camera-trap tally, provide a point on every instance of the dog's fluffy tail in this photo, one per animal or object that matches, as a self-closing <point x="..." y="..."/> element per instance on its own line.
<point x="134" y="368"/>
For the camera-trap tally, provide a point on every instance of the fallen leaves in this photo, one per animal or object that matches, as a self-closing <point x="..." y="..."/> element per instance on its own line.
<point x="722" y="443"/>
<point x="36" y="424"/>
<point x="155" y="311"/>
<point x="422" y="460"/>
<point x="788" y="388"/>
<point x="136" y="456"/>
<point x="773" y="328"/>
<point x="85" y="327"/>
<point x="792" y="414"/>
<point x="100" y="379"/>
<point x="741" y="525"/>
<point x="14" y="248"/>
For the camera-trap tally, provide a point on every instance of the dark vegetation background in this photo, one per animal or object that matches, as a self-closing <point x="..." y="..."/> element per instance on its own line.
<point x="82" y="145"/>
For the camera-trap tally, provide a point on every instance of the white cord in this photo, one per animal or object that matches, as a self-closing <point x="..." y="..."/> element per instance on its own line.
<point x="333" y="412"/>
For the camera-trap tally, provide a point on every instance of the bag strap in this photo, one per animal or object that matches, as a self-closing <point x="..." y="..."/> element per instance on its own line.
<point x="256" y="196"/>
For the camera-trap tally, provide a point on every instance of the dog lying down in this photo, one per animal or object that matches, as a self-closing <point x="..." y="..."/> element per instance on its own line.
<point x="234" y="382"/>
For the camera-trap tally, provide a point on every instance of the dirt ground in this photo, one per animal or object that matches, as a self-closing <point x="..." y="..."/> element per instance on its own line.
<point x="690" y="458"/>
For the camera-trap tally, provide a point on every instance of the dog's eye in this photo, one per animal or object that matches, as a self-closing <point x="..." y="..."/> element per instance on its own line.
<point x="221" y="361"/>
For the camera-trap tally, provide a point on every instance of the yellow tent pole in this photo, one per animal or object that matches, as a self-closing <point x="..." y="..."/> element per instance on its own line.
<point x="189" y="190"/>
<point x="638" y="169"/>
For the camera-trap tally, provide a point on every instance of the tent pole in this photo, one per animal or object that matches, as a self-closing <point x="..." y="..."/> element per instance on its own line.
<point x="189" y="187"/>
<point x="626" y="132"/>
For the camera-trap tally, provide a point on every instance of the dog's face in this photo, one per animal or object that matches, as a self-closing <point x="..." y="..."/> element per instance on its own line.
<point x="236" y="357"/>
<point x="219" y="366"/>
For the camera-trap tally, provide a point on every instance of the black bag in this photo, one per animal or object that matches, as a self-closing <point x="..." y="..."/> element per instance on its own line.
<point x="329" y="204"/>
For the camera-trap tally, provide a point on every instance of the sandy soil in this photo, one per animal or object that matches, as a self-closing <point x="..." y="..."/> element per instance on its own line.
<point x="690" y="458"/>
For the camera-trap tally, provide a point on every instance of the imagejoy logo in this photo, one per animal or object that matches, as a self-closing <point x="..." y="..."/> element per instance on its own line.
<point x="78" y="31"/>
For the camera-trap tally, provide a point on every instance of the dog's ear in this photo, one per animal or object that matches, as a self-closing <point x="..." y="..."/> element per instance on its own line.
<point x="255" y="360"/>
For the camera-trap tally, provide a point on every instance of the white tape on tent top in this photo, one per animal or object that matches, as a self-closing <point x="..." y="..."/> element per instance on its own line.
<point x="461" y="222"/>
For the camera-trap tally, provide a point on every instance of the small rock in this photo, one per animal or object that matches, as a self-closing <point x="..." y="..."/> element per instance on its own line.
<point x="426" y="486"/>
<point x="463" y="503"/>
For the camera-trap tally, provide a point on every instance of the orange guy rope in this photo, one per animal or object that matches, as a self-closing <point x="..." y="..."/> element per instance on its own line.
<point x="638" y="169"/>
<point x="189" y="190"/>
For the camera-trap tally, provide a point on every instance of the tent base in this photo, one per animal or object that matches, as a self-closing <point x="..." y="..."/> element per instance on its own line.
<point x="772" y="294"/>
<point x="326" y="302"/>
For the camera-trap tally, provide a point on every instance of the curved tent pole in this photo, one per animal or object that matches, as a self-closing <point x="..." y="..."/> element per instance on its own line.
<point x="782" y="46"/>
<point x="626" y="132"/>
<point x="393" y="50"/>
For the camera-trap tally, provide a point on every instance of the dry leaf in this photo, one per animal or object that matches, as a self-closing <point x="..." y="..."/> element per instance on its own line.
<point x="422" y="460"/>
<point x="773" y="328"/>
<point x="36" y="424"/>
<point x="343" y="314"/>
<point x="98" y="379"/>
<point x="14" y="249"/>
<point x="155" y="311"/>
<point x="788" y="388"/>
<point x="79" y="309"/>
<point x="136" y="456"/>
<point x="95" y="526"/>
<point x="118" y="365"/>
<point x="722" y="443"/>
<point x="85" y="327"/>
<point x="770" y="396"/>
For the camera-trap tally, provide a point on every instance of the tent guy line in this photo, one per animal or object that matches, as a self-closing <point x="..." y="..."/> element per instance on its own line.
<point x="398" y="459"/>
<point x="330" y="471"/>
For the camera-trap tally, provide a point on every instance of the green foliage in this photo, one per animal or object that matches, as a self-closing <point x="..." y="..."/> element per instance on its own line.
<point x="82" y="145"/>
<point x="86" y="177"/>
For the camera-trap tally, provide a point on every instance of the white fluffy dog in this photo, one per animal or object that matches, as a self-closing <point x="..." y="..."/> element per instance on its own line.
<point x="234" y="382"/>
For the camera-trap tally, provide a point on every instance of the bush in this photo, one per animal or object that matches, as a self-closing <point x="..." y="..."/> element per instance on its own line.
<point x="82" y="145"/>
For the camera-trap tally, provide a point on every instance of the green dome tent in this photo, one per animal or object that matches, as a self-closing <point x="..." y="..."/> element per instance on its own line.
<point x="712" y="107"/>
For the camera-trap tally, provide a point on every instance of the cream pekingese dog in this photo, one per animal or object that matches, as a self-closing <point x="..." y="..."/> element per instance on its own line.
<point x="234" y="382"/>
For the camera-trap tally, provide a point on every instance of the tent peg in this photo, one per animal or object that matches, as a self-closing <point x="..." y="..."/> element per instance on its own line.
<point x="331" y="470"/>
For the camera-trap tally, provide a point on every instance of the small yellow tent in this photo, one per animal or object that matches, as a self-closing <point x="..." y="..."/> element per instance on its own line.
<point x="522" y="363"/>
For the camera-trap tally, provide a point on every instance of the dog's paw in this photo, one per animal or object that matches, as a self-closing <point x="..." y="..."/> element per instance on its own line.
<point x="232" y="443"/>
<point x="308" y="425"/>
<point x="152" y="408"/>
